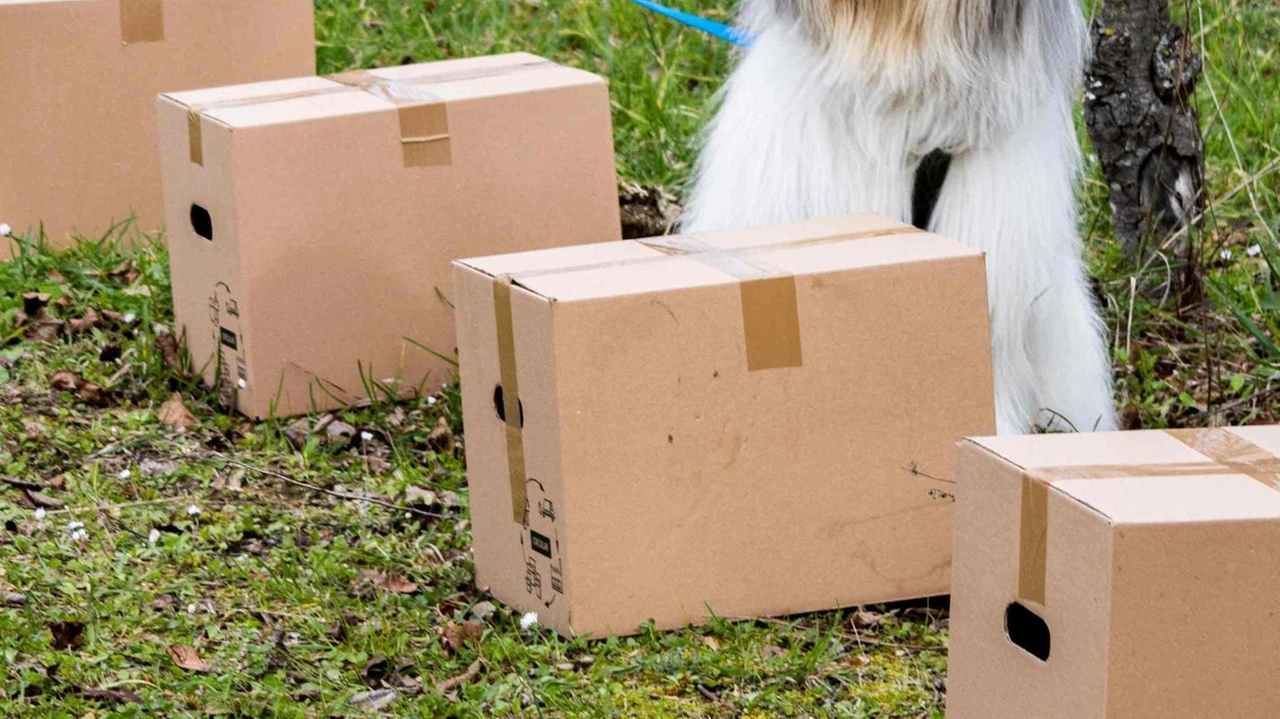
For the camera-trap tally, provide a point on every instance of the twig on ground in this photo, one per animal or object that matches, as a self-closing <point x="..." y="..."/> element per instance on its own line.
<point x="111" y="507"/>
<point x="471" y="673"/>
<point x="333" y="493"/>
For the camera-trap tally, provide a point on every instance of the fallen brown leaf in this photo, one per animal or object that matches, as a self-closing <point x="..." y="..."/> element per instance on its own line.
<point x="175" y="415"/>
<point x="67" y="635"/>
<point x="92" y="395"/>
<point x="382" y="581"/>
<point x="186" y="657"/>
<point x="125" y="273"/>
<point x="90" y="320"/>
<point x="43" y="500"/>
<point x="87" y="392"/>
<point x="459" y="635"/>
<point x="399" y="584"/>
<point x="441" y="438"/>
<point x="170" y="353"/>
<point x="34" y="302"/>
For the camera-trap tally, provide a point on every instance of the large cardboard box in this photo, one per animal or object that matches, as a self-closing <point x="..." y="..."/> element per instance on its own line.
<point x="744" y="424"/>
<point x="312" y="221"/>
<point x="78" y="83"/>
<point x="1117" y="576"/>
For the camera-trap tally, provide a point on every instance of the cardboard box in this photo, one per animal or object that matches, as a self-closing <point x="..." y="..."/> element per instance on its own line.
<point x="1117" y="576"/>
<point x="78" y="85"/>
<point x="742" y="424"/>
<point x="312" y="221"/>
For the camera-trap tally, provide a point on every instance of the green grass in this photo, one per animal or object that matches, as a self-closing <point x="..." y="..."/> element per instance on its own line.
<point x="260" y="581"/>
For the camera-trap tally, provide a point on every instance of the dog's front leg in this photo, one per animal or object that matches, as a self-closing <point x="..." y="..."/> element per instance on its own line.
<point x="1014" y="199"/>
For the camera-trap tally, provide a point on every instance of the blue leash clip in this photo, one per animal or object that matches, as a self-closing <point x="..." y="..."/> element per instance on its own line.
<point x="710" y="27"/>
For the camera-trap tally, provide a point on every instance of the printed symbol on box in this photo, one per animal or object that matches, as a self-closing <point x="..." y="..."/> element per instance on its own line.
<point x="532" y="578"/>
<point x="224" y="316"/>
<point x="540" y="544"/>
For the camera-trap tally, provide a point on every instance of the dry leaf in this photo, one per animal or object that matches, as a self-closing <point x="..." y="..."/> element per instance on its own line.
<point x="125" y="273"/>
<point x="863" y="619"/>
<point x="418" y="497"/>
<point x="384" y="582"/>
<point x="34" y="302"/>
<point x="170" y="354"/>
<point x="90" y="320"/>
<point x="67" y="635"/>
<point x="459" y="635"/>
<point x="399" y="584"/>
<point x="175" y="415"/>
<point x="441" y="438"/>
<point x="92" y="395"/>
<point x="186" y="657"/>
<point x="711" y="643"/>
<point x="65" y="381"/>
<point x="43" y="500"/>
<point x="87" y="392"/>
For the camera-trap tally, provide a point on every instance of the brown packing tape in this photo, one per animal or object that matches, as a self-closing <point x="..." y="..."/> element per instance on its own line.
<point x="511" y="406"/>
<point x="1230" y="454"/>
<point x="423" y="117"/>
<point x="141" y="21"/>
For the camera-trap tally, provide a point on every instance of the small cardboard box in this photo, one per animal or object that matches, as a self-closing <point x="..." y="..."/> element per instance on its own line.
<point x="751" y="423"/>
<point x="1117" y="576"/>
<point x="312" y="221"/>
<point x="78" y="85"/>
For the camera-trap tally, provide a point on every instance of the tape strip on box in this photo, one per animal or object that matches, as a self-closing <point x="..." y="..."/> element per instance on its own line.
<point x="423" y="116"/>
<point x="1229" y="454"/>
<point x="141" y="21"/>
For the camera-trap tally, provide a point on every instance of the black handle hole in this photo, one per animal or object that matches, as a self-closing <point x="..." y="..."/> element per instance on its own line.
<point x="202" y="222"/>
<point x="500" y="405"/>
<point x="1027" y="630"/>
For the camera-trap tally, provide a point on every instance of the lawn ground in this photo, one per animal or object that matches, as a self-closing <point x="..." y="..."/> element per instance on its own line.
<point x="204" y="580"/>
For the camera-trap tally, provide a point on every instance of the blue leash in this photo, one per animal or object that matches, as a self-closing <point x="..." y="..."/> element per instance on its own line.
<point x="710" y="27"/>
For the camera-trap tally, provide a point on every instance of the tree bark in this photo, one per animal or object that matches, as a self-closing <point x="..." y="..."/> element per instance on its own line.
<point x="1143" y="127"/>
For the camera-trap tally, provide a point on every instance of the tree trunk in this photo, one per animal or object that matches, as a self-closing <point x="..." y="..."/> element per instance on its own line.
<point x="1143" y="127"/>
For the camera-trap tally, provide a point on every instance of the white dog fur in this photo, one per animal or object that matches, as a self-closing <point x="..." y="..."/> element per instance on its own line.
<point x="837" y="101"/>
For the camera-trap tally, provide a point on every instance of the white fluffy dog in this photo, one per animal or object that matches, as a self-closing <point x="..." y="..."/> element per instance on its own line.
<point x="837" y="103"/>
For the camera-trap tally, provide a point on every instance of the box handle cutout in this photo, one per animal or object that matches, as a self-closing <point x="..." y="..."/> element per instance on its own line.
<point x="499" y="404"/>
<point x="1027" y="630"/>
<point x="202" y="222"/>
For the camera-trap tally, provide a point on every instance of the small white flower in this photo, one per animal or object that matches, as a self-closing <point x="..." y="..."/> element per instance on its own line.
<point x="79" y="535"/>
<point x="528" y="620"/>
<point x="191" y="609"/>
<point x="1225" y="254"/>
<point x="73" y="526"/>
<point x="366" y="436"/>
<point x="129" y="318"/>
<point x="432" y="400"/>
<point x="193" y="510"/>
<point x="5" y="230"/>
<point x="153" y="537"/>
<point x="40" y="515"/>
<point x="1254" y="250"/>
<point x="125" y="474"/>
